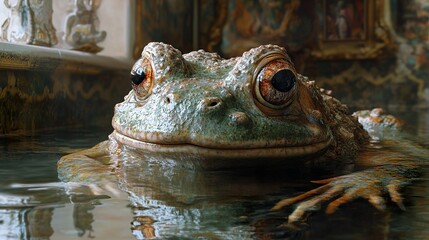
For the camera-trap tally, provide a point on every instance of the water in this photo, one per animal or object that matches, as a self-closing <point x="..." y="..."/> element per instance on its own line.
<point x="170" y="203"/>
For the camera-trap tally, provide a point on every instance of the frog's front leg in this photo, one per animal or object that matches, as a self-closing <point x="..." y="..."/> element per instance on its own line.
<point x="94" y="168"/>
<point x="371" y="184"/>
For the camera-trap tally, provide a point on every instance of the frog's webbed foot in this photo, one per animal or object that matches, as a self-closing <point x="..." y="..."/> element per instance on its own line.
<point x="104" y="187"/>
<point x="371" y="185"/>
<point x="90" y="172"/>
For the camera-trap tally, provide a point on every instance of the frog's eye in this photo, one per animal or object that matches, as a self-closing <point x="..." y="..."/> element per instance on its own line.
<point x="275" y="85"/>
<point x="142" y="78"/>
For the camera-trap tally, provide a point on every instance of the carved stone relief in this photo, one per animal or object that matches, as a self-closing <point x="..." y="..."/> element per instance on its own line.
<point x="29" y="22"/>
<point x="82" y="27"/>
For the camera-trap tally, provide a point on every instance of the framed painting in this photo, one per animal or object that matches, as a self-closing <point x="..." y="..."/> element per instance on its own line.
<point x="245" y="24"/>
<point x="351" y="29"/>
<point x="345" y="20"/>
<point x="322" y="29"/>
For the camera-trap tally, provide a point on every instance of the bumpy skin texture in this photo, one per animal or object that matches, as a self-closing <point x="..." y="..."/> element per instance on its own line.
<point x="201" y="102"/>
<point x="216" y="113"/>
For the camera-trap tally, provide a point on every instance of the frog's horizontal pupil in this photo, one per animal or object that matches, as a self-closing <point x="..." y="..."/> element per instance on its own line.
<point x="283" y="80"/>
<point x="138" y="77"/>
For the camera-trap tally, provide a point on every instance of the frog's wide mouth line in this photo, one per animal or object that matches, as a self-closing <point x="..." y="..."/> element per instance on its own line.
<point x="258" y="152"/>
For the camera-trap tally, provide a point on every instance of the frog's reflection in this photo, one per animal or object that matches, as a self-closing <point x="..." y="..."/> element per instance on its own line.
<point x="163" y="178"/>
<point x="168" y="200"/>
<point x="142" y="227"/>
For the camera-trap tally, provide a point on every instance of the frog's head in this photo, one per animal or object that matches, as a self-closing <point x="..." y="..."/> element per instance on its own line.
<point x="255" y="106"/>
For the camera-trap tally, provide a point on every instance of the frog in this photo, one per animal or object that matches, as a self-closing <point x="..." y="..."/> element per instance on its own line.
<point x="207" y="113"/>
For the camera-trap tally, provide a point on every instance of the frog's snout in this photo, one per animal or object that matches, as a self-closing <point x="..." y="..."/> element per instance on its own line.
<point x="239" y="119"/>
<point x="216" y="104"/>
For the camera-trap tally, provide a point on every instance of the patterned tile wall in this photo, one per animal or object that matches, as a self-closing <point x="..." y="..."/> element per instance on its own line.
<point x="32" y="100"/>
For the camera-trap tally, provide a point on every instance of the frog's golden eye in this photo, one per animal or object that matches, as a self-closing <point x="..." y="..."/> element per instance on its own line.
<point x="275" y="85"/>
<point x="142" y="78"/>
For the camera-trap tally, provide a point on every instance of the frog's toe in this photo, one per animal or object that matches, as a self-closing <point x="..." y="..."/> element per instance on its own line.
<point x="343" y="190"/>
<point x="303" y="210"/>
<point x="314" y="204"/>
<point x="393" y="189"/>
<point x="288" y="201"/>
<point x="325" y="191"/>
<point x="377" y="201"/>
<point x="105" y="187"/>
<point x="347" y="197"/>
<point x="95" y="189"/>
<point x="112" y="188"/>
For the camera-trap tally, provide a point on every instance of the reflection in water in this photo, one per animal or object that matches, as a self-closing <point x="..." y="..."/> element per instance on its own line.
<point x="83" y="218"/>
<point x="142" y="227"/>
<point x="169" y="201"/>
<point x="11" y="221"/>
<point x="164" y="201"/>
<point x="26" y="210"/>
<point x="26" y="223"/>
<point x="38" y="222"/>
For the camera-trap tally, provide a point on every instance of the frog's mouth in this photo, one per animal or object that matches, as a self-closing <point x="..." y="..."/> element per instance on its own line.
<point x="244" y="150"/>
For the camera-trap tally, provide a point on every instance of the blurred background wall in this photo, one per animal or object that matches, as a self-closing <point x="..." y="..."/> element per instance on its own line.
<point x="67" y="63"/>
<point x="63" y="63"/>
<point x="369" y="52"/>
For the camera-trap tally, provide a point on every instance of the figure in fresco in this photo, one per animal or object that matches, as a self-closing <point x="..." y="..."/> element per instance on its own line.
<point x="29" y="22"/>
<point x="82" y="25"/>
<point x="257" y="22"/>
<point x="414" y="35"/>
<point x="344" y="20"/>
<point x="403" y="70"/>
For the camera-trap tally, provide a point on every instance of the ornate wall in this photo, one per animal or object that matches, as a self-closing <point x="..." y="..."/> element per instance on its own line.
<point x="51" y="86"/>
<point x="41" y="89"/>
<point x="396" y="79"/>
<point x="104" y="26"/>
<point x="381" y="59"/>
<point x="33" y="100"/>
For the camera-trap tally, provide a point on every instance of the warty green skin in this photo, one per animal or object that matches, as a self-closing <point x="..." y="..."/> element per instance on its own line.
<point x="201" y="100"/>
<point x="203" y="110"/>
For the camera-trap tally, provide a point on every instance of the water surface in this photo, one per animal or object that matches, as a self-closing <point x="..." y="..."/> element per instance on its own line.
<point x="165" y="202"/>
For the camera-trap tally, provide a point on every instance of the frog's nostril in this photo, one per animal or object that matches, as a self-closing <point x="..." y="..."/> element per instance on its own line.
<point x="211" y="102"/>
<point x="171" y="98"/>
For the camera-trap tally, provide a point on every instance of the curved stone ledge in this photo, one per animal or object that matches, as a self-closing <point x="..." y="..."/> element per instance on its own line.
<point x="36" y="58"/>
<point x="44" y="87"/>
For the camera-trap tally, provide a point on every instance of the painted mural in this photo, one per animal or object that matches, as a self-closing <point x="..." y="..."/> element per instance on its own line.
<point x="413" y="36"/>
<point x="345" y="19"/>
<point x="252" y="23"/>
<point x="398" y="79"/>
<point x="369" y="52"/>
<point x="31" y="100"/>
